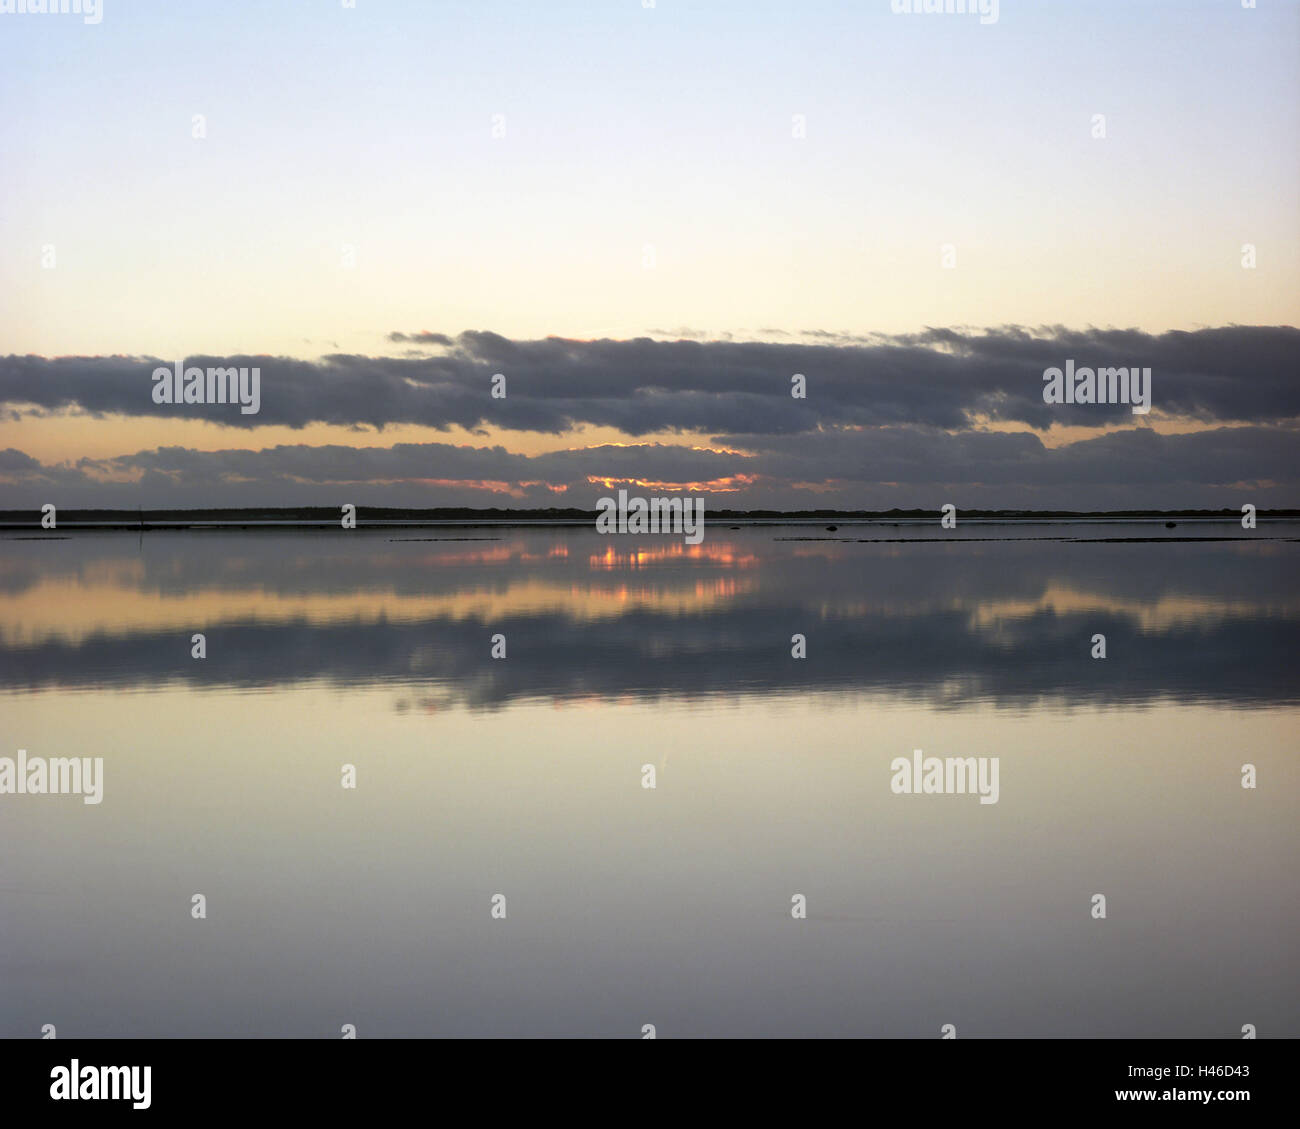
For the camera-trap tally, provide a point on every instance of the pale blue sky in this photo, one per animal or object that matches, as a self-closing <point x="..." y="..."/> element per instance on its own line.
<point x="628" y="126"/>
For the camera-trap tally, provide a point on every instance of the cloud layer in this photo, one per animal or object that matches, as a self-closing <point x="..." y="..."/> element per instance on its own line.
<point x="941" y="378"/>
<point x="943" y="416"/>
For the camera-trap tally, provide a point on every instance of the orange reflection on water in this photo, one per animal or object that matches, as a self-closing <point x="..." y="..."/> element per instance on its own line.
<point x="703" y="594"/>
<point x="65" y="609"/>
<point x="720" y="553"/>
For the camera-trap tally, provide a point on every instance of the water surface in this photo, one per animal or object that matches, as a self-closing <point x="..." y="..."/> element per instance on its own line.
<point x="672" y="906"/>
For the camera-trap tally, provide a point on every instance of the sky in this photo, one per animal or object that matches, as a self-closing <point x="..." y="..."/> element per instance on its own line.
<point x="648" y="219"/>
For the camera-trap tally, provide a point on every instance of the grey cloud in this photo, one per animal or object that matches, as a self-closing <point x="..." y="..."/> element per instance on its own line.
<point x="875" y="468"/>
<point x="13" y="459"/>
<point x="423" y="338"/>
<point x="1138" y="457"/>
<point x="939" y="378"/>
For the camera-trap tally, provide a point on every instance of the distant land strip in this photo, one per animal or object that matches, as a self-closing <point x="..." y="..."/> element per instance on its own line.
<point x="380" y="516"/>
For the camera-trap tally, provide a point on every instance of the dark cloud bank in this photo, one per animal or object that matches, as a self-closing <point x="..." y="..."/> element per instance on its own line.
<point x="886" y="422"/>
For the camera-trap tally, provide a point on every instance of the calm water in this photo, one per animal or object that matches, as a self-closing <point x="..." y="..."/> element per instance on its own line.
<point x="670" y="906"/>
